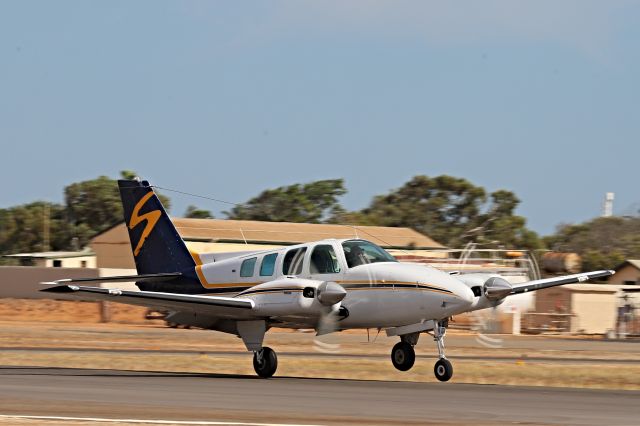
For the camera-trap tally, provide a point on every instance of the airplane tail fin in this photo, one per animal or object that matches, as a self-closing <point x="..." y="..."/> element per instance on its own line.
<point x="157" y="246"/>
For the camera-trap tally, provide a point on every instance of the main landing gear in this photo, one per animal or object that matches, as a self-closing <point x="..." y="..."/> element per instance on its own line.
<point x="403" y="355"/>
<point x="265" y="362"/>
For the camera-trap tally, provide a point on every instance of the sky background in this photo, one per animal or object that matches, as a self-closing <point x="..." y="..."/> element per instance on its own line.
<point x="227" y="99"/>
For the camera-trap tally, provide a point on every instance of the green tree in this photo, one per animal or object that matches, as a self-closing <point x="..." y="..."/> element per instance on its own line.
<point x="452" y="211"/>
<point x="22" y="228"/>
<point x="92" y="206"/>
<point x="312" y="202"/>
<point x="128" y="174"/>
<point x="194" y="212"/>
<point x="502" y="227"/>
<point x="443" y="207"/>
<point x="603" y="242"/>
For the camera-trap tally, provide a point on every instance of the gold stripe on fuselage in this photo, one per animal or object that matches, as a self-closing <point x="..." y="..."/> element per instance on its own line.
<point x="230" y="285"/>
<point x="284" y="290"/>
<point x="401" y="289"/>
<point x="391" y="283"/>
<point x="207" y="284"/>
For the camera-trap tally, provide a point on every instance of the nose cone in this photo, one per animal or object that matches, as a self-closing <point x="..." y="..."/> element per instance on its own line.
<point x="464" y="293"/>
<point x="460" y="301"/>
<point x="461" y="297"/>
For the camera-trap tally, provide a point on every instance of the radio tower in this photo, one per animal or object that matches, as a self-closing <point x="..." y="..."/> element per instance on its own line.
<point x="607" y="206"/>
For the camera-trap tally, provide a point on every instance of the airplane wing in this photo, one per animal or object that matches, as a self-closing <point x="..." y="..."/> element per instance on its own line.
<point x="221" y="307"/>
<point x="552" y="282"/>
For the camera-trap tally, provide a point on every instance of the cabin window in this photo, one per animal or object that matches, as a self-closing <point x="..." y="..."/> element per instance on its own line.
<point x="268" y="265"/>
<point x="324" y="260"/>
<point x="57" y="263"/>
<point x="361" y="252"/>
<point x="246" y="270"/>
<point x="292" y="263"/>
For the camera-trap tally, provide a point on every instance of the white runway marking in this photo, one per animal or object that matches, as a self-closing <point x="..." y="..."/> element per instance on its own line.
<point x="142" y="421"/>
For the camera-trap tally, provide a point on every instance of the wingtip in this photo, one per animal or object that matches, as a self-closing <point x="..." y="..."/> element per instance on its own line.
<point x="61" y="289"/>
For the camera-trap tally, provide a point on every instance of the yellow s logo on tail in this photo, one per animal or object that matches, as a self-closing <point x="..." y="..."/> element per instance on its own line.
<point x="151" y="217"/>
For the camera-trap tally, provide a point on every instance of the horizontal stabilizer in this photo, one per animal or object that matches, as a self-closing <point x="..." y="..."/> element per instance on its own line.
<point x="118" y="279"/>
<point x="556" y="281"/>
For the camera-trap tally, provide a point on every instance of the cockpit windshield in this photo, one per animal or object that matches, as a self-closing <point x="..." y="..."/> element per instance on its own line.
<point x="361" y="252"/>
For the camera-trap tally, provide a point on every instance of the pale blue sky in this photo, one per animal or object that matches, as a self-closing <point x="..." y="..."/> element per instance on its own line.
<point x="230" y="98"/>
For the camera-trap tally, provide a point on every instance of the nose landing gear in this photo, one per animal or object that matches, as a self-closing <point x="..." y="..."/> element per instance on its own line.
<point x="443" y="368"/>
<point x="403" y="355"/>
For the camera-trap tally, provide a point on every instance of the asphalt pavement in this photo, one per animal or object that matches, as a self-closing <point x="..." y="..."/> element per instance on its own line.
<point x="116" y="394"/>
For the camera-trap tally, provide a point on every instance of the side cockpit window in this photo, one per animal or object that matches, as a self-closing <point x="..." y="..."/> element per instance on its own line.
<point x="293" y="260"/>
<point x="268" y="265"/>
<point x="361" y="252"/>
<point x="324" y="260"/>
<point x="246" y="270"/>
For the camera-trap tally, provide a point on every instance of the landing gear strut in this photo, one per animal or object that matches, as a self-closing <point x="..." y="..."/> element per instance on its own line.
<point x="265" y="362"/>
<point x="443" y="368"/>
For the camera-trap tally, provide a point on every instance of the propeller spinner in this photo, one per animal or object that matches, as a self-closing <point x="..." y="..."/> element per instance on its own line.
<point x="496" y="288"/>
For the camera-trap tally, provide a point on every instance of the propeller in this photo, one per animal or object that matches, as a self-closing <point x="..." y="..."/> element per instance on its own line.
<point x="330" y="295"/>
<point x="487" y="324"/>
<point x="495" y="289"/>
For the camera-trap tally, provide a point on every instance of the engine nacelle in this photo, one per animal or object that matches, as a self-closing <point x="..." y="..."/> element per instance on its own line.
<point x="295" y="297"/>
<point x="489" y="289"/>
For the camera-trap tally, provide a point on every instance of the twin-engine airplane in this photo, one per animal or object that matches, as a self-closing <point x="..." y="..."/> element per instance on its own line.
<point x="348" y="283"/>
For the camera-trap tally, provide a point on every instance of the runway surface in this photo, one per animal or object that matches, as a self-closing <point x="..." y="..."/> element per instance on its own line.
<point x="38" y="391"/>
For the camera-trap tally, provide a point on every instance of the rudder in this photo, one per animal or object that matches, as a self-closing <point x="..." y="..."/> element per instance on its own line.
<point x="157" y="247"/>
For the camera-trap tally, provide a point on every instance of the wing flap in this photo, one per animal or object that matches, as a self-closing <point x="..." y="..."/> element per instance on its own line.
<point x="556" y="281"/>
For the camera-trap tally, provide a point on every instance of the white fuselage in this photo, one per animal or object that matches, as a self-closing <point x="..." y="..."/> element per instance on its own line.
<point x="381" y="294"/>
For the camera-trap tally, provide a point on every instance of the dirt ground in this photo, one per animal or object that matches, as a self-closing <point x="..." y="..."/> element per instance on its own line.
<point x="44" y="310"/>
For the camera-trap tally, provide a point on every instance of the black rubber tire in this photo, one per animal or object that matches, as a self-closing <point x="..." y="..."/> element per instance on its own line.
<point x="443" y="370"/>
<point x="403" y="356"/>
<point x="269" y="364"/>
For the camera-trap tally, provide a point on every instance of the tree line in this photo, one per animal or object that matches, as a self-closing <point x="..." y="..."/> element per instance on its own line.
<point x="451" y="210"/>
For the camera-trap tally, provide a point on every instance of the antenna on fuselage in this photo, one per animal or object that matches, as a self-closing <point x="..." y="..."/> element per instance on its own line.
<point x="243" y="237"/>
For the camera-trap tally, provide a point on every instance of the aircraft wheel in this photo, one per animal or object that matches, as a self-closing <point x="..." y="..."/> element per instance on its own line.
<point x="268" y="364"/>
<point x="443" y="370"/>
<point x="403" y="356"/>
